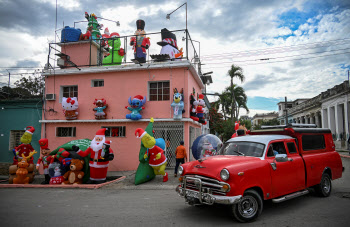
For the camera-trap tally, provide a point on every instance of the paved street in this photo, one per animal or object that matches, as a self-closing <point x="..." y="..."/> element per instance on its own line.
<point x="124" y="205"/>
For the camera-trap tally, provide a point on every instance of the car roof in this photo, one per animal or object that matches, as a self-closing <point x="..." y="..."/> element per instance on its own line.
<point x="265" y="139"/>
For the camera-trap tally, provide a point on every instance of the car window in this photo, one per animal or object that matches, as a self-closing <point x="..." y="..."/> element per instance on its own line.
<point x="313" y="142"/>
<point x="243" y="148"/>
<point x="277" y="148"/>
<point x="291" y="148"/>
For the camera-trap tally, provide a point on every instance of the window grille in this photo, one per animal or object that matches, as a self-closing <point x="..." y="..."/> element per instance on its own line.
<point x="70" y="91"/>
<point x="159" y="91"/>
<point x="15" y="138"/>
<point x="172" y="133"/>
<point x="97" y="83"/>
<point x="115" y="131"/>
<point x="65" y="131"/>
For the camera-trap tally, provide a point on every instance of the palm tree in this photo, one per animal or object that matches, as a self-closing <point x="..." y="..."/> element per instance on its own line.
<point x="240" y="100"/>
<point x="234" y="71"/>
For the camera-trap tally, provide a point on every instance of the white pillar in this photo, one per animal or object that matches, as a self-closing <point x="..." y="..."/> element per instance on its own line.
<point x="331" y="119"/>
<point x="324" y="115"/>
<point x="347" y="116"/>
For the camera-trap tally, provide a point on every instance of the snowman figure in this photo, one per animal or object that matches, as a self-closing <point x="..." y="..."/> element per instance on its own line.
<point x="169" y="45"/>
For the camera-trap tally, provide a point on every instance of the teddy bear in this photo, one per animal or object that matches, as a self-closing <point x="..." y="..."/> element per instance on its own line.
<point x="75" y="174"/>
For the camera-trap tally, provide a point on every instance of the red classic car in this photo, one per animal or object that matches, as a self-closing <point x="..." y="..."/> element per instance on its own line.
<point x="277" y="164"/>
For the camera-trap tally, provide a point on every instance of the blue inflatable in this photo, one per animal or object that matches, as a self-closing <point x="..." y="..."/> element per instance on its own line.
<point x="206" y="145"/>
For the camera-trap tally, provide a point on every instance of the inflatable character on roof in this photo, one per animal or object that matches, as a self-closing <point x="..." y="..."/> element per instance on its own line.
<point x="116" y="54"/>
<point x="101" y="154"/>
<point x="154" y="154"/>
<point x="140" y="43"/>
<point x="169" y="45"/>
<point x="178" y="104"/>
<point x="45" y="152"/>
<point x="136" y="106"/>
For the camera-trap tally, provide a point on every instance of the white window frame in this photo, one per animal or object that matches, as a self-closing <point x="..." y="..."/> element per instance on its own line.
<point x="121" y="131"/>
<point x="149" y="90"/>
<point x="73" y="131"/>
<point x="61" y="91"/>
<point x="15" y="138"/>
<point x="97" y="80"/>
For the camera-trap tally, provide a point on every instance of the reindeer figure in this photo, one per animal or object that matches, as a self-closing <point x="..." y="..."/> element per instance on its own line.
<point x="21" y="173"/>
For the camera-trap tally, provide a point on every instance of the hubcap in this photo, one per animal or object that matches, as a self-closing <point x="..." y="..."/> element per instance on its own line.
<point x="326" y="185"/>
<point x="248" y="207"/>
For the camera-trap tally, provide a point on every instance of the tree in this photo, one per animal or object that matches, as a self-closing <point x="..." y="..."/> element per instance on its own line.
<point x="216" y="120"/>
<point x="235" y="72"/>
<point x="273" y="121"/>
<point x="35" y="85"/>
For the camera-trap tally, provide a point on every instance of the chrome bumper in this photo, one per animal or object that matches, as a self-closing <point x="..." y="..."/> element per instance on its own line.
<point x="194" y="197"/>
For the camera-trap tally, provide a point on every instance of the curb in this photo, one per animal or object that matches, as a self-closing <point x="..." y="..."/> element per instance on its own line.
<point x="83" y="186"/>
<point x="344" y="156"/>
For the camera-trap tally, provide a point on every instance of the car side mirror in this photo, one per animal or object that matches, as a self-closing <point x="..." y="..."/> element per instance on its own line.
<point x="281" y="158"/>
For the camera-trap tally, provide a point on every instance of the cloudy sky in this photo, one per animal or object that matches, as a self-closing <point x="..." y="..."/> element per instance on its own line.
<point x="286" y="48"/>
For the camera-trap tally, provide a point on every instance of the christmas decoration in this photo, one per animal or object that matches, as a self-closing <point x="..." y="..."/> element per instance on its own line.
<point x="45" y="151"/>
<point x="154" y="154"/>
<point x="206" y="145"/>
<point x="136" y="106"/>
<point x="169" y="47"/>
<point x="99" y="159"/>
<point x="22" y="172"/>
<point x="178" y="104"/>
<point x="116" y="54"/>
<point x="140" y="43"/>
<point x="200" y="109"/>
<point x="70" y="105"/>
<point x="100" y="109"/>
<point x="75" y="174"/>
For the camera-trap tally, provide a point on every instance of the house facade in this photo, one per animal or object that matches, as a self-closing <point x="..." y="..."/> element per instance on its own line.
<point x="15" y="116"/>
<point x="258" y="118"/>
<point x="330" y="109"/>
<point x="116" y="83"/>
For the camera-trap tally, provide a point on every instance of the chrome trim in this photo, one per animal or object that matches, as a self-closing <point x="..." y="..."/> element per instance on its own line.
<point x="290" y="196"/>
<point x="207" y="198"/>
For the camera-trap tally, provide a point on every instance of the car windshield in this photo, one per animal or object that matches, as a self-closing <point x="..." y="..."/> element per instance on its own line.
<point x="243" y="148"/>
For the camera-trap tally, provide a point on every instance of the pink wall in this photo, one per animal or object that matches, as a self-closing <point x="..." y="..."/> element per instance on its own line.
<point x="79" y="52"/>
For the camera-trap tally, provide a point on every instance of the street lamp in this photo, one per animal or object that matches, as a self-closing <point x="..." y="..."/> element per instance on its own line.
<point x="207" y="80"/>
<point x="168" y="18"/>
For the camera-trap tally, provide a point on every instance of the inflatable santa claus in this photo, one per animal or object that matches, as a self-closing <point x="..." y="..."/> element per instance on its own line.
<point x="100" y="156"/>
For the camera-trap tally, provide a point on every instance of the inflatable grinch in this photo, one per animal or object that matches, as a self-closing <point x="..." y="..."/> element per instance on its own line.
<point x="154" y="154"/>
<point x="116" y="54"/>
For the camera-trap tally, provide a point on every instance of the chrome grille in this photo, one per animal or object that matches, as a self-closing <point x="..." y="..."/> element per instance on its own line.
<point x="204" y="184"/>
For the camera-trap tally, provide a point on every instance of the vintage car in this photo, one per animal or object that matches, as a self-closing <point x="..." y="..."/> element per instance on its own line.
<point x="272" y="165"/>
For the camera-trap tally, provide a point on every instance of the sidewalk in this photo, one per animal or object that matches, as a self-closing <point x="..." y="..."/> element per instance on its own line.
<point x="344" y="153"/>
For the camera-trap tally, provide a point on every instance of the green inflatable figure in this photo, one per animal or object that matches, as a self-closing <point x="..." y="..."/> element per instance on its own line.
<point x="116" y="55"/>
<point x="144" y="171"/>
<point x="83" y="144"/>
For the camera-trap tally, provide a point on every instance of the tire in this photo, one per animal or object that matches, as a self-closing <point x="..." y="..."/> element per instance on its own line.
<point x="324" y="189"/>
<point x="249" y="208"/>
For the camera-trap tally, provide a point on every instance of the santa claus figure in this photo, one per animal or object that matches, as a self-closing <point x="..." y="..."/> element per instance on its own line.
<point x="140" y="43"/>
<point x="45" y="151"/>
<point x="25" y="148"/>
<point x="99" y="158"/>
<point x="154" y="154"/>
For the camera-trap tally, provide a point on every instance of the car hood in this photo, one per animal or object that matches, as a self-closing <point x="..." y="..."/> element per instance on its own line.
<point x="212" y="166"/>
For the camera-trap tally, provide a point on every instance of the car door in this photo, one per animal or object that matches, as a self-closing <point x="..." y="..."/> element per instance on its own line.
<point x="285" y="179"/>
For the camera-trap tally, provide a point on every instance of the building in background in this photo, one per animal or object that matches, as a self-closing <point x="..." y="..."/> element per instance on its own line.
<point x="330" y="109"/>
<point x="259" y="118"/>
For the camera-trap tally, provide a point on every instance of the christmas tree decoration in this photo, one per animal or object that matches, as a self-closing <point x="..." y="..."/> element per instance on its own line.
<point x="136" y="106"/>
<point x="178" y="104"/>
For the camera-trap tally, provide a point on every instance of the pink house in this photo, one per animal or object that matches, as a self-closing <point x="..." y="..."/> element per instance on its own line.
<point x="116" y="84"/>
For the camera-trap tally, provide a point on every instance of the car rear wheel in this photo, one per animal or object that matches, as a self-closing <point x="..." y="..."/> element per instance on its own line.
<point x="249" y="208"/>
<point x="324" y="189"/>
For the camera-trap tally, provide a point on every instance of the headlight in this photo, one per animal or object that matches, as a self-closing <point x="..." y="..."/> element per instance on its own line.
<point x="181" y="170"/>
<point x="224" y="174"/>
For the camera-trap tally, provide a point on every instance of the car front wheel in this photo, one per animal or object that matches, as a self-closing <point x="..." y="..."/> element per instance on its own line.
<point x="249" y="208"/>
<point x="324" y="189"/>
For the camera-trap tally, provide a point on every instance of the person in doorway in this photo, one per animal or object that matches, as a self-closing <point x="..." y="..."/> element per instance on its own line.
<point x="181" y="156"/>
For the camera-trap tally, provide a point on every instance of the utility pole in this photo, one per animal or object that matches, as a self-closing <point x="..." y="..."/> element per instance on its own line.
<point x="285" y="107"/>
<point x="9" y="77"/>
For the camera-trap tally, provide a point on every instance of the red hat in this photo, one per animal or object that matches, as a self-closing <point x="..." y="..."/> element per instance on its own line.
<point x="237" y="125"/>
<point x="101" y="132"/>
<point x="30" y="129"/>
<point x="114" y="34"/>
<point x="201" y="96"/>
<point x="44" y="143"/>
<point x="138" y="97"/>
<point x="108" y="142"/>
<point x="139" y="133"/>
